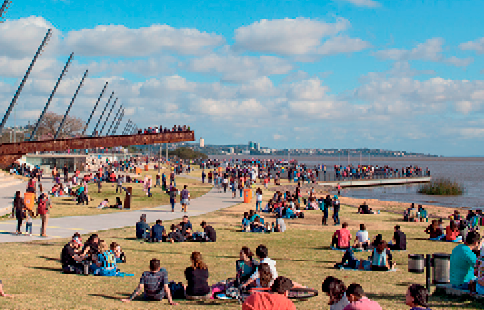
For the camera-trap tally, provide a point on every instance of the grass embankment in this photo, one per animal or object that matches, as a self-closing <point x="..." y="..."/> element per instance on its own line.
<point x="68" y="206"/>
<point x="31" y="270"/>
<point x="442" y="187"/>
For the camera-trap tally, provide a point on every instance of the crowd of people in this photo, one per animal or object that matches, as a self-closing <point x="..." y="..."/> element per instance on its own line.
<point x="178" y="232"/>
<point x="160" y="129"/>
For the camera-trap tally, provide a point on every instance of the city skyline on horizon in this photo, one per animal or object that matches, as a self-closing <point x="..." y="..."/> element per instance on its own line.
<point x="297" y="74"/>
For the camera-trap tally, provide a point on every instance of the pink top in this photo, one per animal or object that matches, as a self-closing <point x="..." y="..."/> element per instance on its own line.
<point x="363" y="304"/>
<point x="344" y="237"/>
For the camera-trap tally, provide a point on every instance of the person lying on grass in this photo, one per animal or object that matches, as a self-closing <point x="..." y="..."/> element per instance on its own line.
<point x="154" y="283"/>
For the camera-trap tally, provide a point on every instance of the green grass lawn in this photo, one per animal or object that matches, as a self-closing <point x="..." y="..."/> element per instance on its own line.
<point x="32" y="273"/>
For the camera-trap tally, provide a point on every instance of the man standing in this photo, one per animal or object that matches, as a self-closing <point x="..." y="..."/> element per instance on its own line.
<point x="336" y="206"/>
<point x="154" y="283"/>
<point x="43" y="210"/>
<point x="66" y="173"/>
<point x="203" y="176"/>
<point x="119" y="184"/>
<point x="184" y="198"/>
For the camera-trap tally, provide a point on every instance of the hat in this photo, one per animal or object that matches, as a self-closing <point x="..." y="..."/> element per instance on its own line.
<point x="335" y="197"/>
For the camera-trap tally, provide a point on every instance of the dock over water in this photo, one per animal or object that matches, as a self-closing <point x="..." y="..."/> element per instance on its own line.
<point x="377" y="182"/>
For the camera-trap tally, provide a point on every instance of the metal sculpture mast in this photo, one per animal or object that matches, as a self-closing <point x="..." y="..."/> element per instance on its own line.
<point x="102" y="114"/>
<point x="119" y="122"/>
<point x="22" y="84"/>
<point x="70" y="106"/>
<point x="109" y="114"/>
<point x="114" y="120"/>
<point x="50" y="97"/>
<point x="95" y="107"/>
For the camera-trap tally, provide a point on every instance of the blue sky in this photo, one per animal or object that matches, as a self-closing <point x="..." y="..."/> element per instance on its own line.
<point x="403" y="75"/>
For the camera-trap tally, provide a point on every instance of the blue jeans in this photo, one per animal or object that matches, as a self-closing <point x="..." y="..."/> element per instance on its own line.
<point x="28" y="227"/>
<point x="241" y="191"/>
<point x="257" y="204"/>
<point x="336" y="217"/>
<point x="172" y="205"/>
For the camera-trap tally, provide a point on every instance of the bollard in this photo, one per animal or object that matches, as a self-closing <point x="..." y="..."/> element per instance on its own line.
<point x="428" y="263"/>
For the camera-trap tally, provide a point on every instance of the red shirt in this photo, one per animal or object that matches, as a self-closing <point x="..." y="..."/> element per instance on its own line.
<point x="451" y="235"/>
<point x="344" y="237"/>
<point x="267" y="301"/>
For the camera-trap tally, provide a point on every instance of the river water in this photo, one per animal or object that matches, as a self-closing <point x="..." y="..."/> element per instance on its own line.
<point x="467" y="171"/>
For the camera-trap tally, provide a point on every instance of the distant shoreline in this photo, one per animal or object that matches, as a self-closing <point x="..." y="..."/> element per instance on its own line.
<point x="344" y="158"/>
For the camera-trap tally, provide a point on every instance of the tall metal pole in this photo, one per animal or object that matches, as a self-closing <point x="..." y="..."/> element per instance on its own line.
<point x="114" y="120"/>
<point x="109" y="114"/>
<point x="34" y="132"/>
<point x="70" y="106"/>
<point x="119" y="122"/>
<point x="94" y="110"/>
<point x="22" y="84"/>
<point x="4" y="8"/>
<point x="126" y="127"/>
<point x="102" y="114"/>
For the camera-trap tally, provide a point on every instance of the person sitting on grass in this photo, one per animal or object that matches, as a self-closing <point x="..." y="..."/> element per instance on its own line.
<point x="381" y="258"/>
<point x="280" y="225"/>
<point x="463" y="260"/>
<point x="341" y="238"/>
<point x="210" y="233"/>
<point x="104" y="204"/>
<point x="417" y="297"/>
<point x="364" y="209"/>
<point x="358" y="300"/>
<point x="118" y="253"/>
<point x="186" y="228"/>
<point x="479" y="268"/>
<point x="154" y="283"/>
<point x="245" y="267"/>
<point x="452" y="232"/>
<point x="105" y="263"/>
<point x="245" y="222"/>
<point x="278" y="300"/>
<point x="71" y="257"/>
<point x="175" y="235"/>
<point x="197" y="276"/>
<point x="399" y="240"/>
<point x="434" y="231"/>
<point x="361" y="238"/>
<point x="257" y="226"/>
<point x="158" y="233"/>
<point x="262" y="252"/>
<point x="336" y="290"/>
<point x="142" y="228"/>
<point x="91" y="249"/>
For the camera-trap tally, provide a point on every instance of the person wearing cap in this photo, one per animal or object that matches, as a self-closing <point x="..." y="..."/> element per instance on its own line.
<point x="358" y="300"/>
<point x="142" y="228"/>
<point x="71" y="257"/>
<point x="336" y="206"/>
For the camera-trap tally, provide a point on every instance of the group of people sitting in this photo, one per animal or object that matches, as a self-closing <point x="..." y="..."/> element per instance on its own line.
<point x="93" y="257"/>
<point x="381" y="258"/>
<point x="457" y="229"/>
<point x="178" y="233"/>
<point x="253" y="222"/>
<point x="105" y="204"/>
<point x="413" y="214"/>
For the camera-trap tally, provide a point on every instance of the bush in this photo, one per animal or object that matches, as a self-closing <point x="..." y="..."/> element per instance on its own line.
<point x="444" y="187"/>
<point x="187" y="153"/>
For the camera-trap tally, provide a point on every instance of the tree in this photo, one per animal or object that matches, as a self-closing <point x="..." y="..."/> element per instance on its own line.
<point x="51" y="122"/>
<point x="187" y="153"/>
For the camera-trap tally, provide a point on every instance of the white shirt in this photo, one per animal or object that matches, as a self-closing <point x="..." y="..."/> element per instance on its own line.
<point x="272" y="266"/>
<point x="259" y="197"/>
<point x="362" y="236"/>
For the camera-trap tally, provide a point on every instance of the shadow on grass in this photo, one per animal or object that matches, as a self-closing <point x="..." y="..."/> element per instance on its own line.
<point x="49" y="258"/>
<point x="112" y="297"/>
<point x="390" y="297"/>
<point x="48" y="268"/>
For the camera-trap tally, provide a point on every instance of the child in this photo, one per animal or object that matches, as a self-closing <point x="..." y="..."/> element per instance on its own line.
<point x="28" y="217"/>
<point x="416" y="297"/>
<point x="103" y="204"/>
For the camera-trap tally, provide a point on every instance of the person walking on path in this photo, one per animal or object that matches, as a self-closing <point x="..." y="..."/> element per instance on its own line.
<point x="184" y="198"/>
<point x="173" y="191"/>
<point x="336" y="206"/>
<point x="18" y="211"/>
<point x="203" y="176"/>
<point x="43" y="210"/>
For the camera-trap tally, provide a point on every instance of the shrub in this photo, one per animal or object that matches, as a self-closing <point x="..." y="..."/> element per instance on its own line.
<point x="442" y="186"/>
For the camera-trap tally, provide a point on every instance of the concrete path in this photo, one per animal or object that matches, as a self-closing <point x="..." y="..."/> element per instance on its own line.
<point x="66" y="226"/>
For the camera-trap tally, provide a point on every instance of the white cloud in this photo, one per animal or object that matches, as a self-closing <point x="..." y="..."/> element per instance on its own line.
<point x="279" y="137"/>
<point x="296" y="37"/>
<point x="477" y="46"/>
<point x="235" y="68"/>
<point x="364" y="3"/>
<point x="430" y="50"/>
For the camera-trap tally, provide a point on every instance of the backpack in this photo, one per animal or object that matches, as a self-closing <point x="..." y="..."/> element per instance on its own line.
<point x="42" y="207"/>
<point x="301" y="215"/>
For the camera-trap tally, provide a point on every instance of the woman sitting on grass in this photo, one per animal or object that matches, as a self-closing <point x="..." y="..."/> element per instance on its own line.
<point x="118" y="253"/>
<point x="336" y="290"/>
<point x="434" y="231"/>
<point x="197" y="276"/>
<point x="106" y="262"/>
<point x="245" y="267"/>
<point x="452" y="232"/>
<point x="381" y="258"/>
<point x="257" y="226"/>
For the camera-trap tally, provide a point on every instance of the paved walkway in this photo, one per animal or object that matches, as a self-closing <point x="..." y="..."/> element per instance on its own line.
<point x="66" y="226"/>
